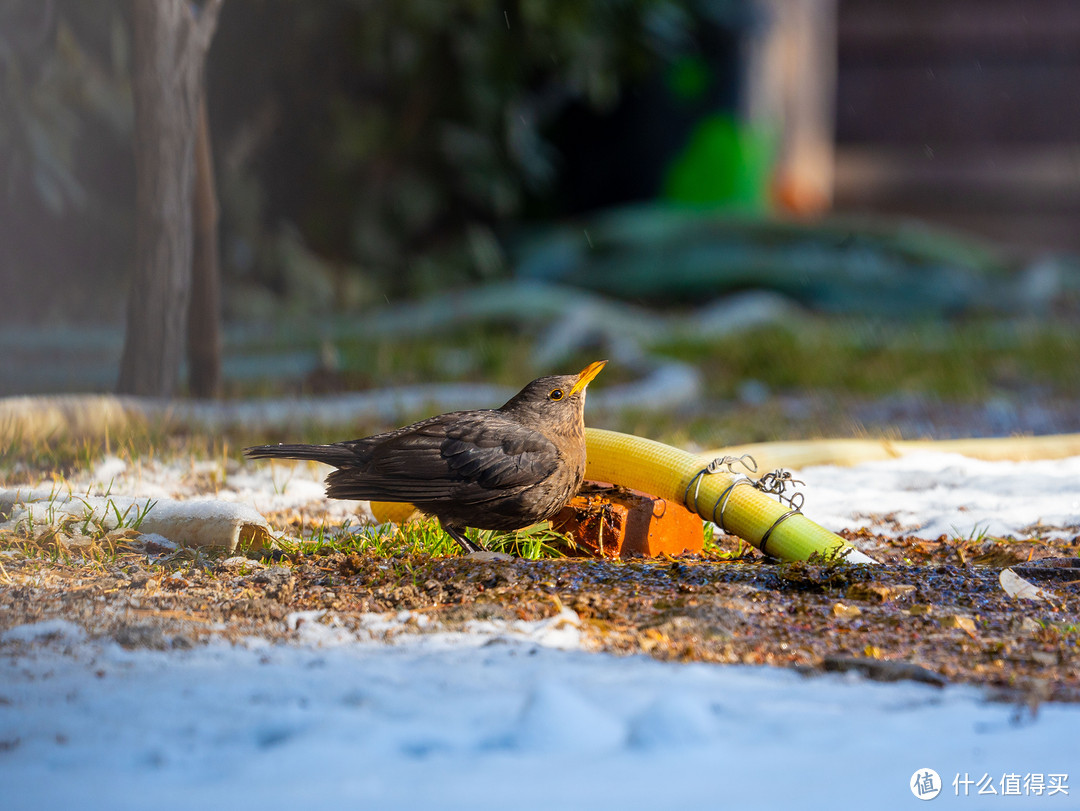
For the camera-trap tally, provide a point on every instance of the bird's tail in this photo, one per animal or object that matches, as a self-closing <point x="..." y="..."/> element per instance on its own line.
<point x="336" y="455"/>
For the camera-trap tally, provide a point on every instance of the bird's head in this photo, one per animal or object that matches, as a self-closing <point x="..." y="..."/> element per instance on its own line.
<point x="556" y="399"/>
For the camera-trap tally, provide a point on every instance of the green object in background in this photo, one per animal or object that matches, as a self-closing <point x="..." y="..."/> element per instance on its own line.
<point x="724" y="165"/>
<point x="688" y="78"/>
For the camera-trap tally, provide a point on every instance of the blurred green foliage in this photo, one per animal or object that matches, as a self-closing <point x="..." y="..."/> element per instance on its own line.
<point x="966" y="362"/>
<point x="399" y="137"/>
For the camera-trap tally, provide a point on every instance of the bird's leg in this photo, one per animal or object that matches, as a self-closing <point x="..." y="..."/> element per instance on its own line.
<point x="467" y="546"/>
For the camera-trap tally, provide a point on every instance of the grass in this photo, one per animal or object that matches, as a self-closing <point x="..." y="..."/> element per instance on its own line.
<point x="24" y="460"/>
<point x="21" y="459"/>
<point x="50" y="529"/>
<point x="422" y="537"/>
<point x="967" y="359"/>
<point x="730" y="548"/>
<point x="963" y="361"/>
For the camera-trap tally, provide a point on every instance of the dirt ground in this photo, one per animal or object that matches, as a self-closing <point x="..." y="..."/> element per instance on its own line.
<point x="934" y="611"/>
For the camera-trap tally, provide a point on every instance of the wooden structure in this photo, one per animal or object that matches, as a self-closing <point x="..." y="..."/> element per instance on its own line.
<point x="965" y="113"/>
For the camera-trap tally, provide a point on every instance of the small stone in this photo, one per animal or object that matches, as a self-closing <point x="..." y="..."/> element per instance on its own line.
<point x="81" y="542"/>
<point x="921" y="610"/>
<point x="1029" y="626"/>
<point x="142" y="635"/>
<point x="175" y="581"/>
<point x="878" y="592"/>
<point x="157" y="544"/>
<point x="144" y="581"/>
<point x="487" y="557"/>
<point x="279" y="581"/>
<point x="240" y="565"/>
<point x="1044" y="658"/>
<point x="846" y="612"/>
<point x="275" y="575"/>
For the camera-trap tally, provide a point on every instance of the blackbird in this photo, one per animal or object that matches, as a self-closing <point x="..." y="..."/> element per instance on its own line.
<point x="503" y="468"/>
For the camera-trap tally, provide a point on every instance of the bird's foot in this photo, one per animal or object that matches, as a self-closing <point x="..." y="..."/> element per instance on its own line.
<point x="467" y="546"/>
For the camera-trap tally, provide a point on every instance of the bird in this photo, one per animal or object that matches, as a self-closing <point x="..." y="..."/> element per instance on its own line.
<point x="503" y="468"/>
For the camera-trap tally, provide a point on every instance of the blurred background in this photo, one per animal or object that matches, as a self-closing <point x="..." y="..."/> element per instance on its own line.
<point x="777" y="217"/>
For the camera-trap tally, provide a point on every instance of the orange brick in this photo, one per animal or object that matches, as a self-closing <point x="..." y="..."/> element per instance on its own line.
<point x="609" y="521"/>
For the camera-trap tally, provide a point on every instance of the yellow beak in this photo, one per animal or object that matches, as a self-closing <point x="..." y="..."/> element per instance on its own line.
<point x="586" y="375"/>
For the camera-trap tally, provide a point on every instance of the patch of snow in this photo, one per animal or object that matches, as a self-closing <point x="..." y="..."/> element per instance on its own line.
<point x="377" y="726"/>
<point x="161" y="540"/>
<point x="297" y="618"/>
<point x="672" y="722"/>
<point x="932" y="494"/>
<point x="323" y="631"/>
<point x="44" y="631"/>
<point x="559" y="719"/>
<point x="320" y="627"/>
<point x="108" y="470"/>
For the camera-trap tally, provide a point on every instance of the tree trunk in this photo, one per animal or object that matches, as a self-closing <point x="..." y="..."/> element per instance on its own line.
<point x="169" y="52"/>
<point x="204" y="318"/>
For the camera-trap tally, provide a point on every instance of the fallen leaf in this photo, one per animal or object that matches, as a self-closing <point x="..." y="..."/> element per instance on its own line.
<point x="1019" y="588"/>
<point x="960" y="621"/>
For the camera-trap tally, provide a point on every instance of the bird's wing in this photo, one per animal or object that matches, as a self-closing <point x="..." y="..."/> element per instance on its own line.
<point x="470" y="457"/>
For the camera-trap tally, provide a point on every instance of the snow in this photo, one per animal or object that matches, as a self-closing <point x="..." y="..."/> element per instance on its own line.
<point x="44" y="631"/>
<point x="518" y="714"/>
<point x="442" y="724"/>
<point x="932" y="494"/>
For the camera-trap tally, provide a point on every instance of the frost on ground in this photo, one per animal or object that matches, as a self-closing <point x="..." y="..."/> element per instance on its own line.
<point x="170" y="680"/>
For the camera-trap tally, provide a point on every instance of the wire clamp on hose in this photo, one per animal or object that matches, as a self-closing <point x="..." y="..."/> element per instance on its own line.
<point x="775" y="524"/>
<point x="776" y="483"/>
<point x="746" y="460"/>
<point x="722" y="501"/>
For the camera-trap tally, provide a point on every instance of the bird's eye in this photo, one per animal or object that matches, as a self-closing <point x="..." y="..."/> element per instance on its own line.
<point x="556" y="394"/>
